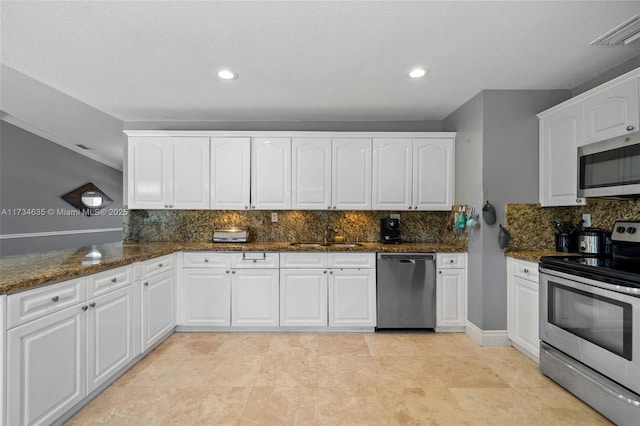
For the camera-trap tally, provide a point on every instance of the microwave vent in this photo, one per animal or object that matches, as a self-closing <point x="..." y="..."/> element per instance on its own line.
<point x="622" y="35"/>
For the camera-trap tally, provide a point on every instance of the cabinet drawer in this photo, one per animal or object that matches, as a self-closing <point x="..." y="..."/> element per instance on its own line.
<point x="107" y="281"/>
<point x="451" y="260"/>
<point x="206" y="259"/>
<point x="157" y="265"/>
<point x="303" y="260"/>
<point x="352" y="260"/>
<point x="526" y="270"/>
<point x="33" y="304"/>
<point x="251" y="260"/>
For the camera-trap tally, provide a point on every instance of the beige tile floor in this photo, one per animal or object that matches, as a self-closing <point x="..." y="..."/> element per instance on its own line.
<point x="334" y="379"/>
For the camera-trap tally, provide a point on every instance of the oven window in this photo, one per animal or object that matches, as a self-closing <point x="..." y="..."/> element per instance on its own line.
<point x="620" y="166"/>
<point x="600" y="320"/>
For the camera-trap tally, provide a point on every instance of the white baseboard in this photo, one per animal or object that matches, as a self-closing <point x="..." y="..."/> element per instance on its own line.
<point x="487" y="337"/>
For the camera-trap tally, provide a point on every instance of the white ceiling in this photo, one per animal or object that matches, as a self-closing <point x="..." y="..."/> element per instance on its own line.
<point x="305" y="60"/>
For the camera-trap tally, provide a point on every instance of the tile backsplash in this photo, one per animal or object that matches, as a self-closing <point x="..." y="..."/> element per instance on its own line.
<point x="531" y="225"/>
<point x="292" y="225"/>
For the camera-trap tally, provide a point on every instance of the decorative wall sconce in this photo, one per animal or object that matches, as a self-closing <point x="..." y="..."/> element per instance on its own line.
<point x="88" y="199"/>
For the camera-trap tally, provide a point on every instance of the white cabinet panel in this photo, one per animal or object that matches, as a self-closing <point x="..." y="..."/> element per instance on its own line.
<point x="392" y="174"/>
<point x="433" y="164"/>
<point x="303" y="260"/>
<point x="157" y="265"/>
<point x="158" y="310"/>
<point x="205" y="297"/>
<point x="451" y="260"/>
<point x="613" y="112"/>
<point x="109" y="335"/>
<point x="149" y="173"/>
<point x="522" y="306"/>
<point x="352" y="298"/>
<point x="255" y="260"/>
<point x="311" y="173"/>
<point x="351" y="260"/>
<point x="451" y="294"/>
<point x="303" y="297"/>
<point x="108" y="281"/>
<point x="271" y="173"/>
<point x="560" y="135"/>
<point x="46" y="367"/>
<point x="351" y="174"/>
<point x="168" y="172"/>
<point x="206" y="259"/>
<point x="230" y="173"/>
<point x="254" y="297"/>
<point x="36" y="303"/>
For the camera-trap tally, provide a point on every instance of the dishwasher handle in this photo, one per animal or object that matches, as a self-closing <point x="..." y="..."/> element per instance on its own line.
<point x="406" y="258"/>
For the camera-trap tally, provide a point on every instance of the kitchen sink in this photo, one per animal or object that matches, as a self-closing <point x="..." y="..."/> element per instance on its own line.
<point x="307" y="244"/>
<point x="344" y="245"/>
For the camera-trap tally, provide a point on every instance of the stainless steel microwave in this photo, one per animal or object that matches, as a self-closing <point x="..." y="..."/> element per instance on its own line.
<point x="610" y="168"/>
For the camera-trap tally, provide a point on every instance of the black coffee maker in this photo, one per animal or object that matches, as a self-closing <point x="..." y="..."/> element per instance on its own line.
<point x="390" y="231"/>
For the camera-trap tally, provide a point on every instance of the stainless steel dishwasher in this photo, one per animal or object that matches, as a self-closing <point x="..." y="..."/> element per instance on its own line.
<point x="406" y="290"/>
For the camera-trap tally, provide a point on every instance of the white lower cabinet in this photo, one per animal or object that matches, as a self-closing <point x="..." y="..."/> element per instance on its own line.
<point x="303" y="297"/>
<point x="46" y="373"/>
<point x="451" y="292"/>
<point x="522" y="306"/>
<point x="158" y="308"/>
<point x="110" y="333"/>
<point x="254" y="297"/>
<point x="205" y="297"/>
<point x="352" y="298"/>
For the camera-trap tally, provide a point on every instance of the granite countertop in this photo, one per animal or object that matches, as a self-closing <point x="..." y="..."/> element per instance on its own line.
<point x="30" y="270"/>
<point x="535" y="255"/>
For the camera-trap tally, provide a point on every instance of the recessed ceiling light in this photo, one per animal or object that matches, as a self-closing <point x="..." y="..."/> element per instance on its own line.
<point x="417" y="72"/>
<point x="227" y="74"/>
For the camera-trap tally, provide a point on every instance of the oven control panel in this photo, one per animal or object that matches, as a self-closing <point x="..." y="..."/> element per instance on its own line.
<point x="626" y="230"/>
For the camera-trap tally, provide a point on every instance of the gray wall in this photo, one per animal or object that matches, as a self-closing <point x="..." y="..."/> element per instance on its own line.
<point x="617" y="71"/>
<point x="34" y="173"/>
<point x="496" y="160"/>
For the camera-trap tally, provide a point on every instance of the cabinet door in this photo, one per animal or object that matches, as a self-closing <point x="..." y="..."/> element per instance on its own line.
<point x="351" y="174"/>
<point x="451" y="298"/>
<point x="432" y="174"/>
<point x="524" y="330"/>
<point x="303" y="297"/>
<point x="46" y="367"/>
<point x="352" y="298"/>
<point x="205" y="297"/>
<point x="109" y="335"/>
<point x="158" y="311"/>
<point x="311" y="173"/>
<point x="392" y="174"/>
<point x="254" y="297"/>
<point x="271" y="173"/>
<point x="190" y="172"/>
<point x="230" y="173"/>
<point x="614" y="112"/>
<point x="149" y="169"/>
<point x="560" y="134"/>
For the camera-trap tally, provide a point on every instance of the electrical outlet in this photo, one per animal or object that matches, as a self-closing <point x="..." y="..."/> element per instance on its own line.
<point x="274" y="217"/>
<point x="394" y="216"/>
<point x="587" y="219"/>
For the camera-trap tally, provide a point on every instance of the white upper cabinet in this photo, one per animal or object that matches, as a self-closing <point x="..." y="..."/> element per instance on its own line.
<point x="392" y="174"/>
<point x="311" y="173"/>
<point x="351" y="174"/>
<point x="271" y="173"/>
<point x="230" y="173"/>
<point x="560" y="133"/>
<point x="168" y="172"/>
<point x="611" y="113"/>
<point x="413" y="174"/>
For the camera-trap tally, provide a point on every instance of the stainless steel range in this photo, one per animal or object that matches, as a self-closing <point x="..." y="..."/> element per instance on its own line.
<point x="590" y="325"/>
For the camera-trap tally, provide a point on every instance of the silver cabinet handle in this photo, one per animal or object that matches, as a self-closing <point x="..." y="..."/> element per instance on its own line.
<point x="329" y="207"/>
<point x="227" y="271"/>
<point x="578" y="200"/>
<point x="440" y="272"/>
<point x="54" y="299"/>
<point x="526" y="271"/>
<point x="233" y="272"/>
<point x="92" y="304"/>
<point x="246" y="207"/>
<point x="410" y="207"/>
<point x="113" y="280"/>
<point x="324" y="272"/>
<point x="84" y="308"/>
<point x="331" y="272"/>
<point x="206" y="261"/>
<point x="253" y="207"/>
<point x="160" y="265"/>
<point x="334" y="207"/>
<point x="451" y="261"/>
<point x="629" y="128"/>
<point x="415" y="207"/>
<point x="146" y="283"/>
